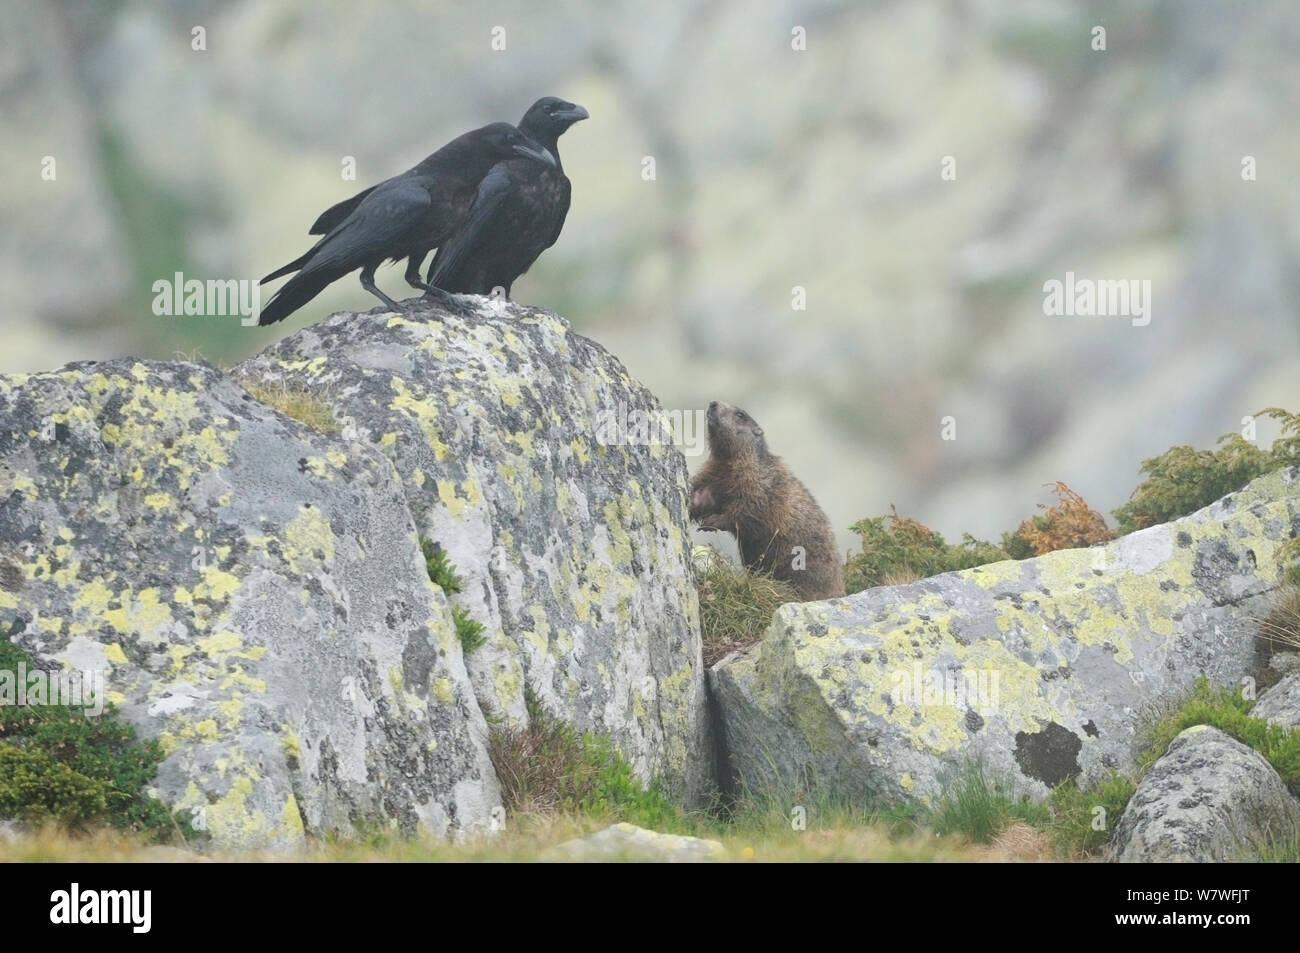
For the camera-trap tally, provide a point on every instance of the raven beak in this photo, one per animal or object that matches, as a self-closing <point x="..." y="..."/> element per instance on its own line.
<point x="536" y="153"/>
<point x="572" y="115"/>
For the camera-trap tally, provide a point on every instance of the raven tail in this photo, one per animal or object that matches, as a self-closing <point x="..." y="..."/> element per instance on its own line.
<point x="296" y="292"/>
<point x="294" y="265"/>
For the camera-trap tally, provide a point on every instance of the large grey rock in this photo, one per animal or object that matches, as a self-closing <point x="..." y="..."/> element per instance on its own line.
<point x="573" y="552"/>
<point x="252" y="591"/>
<point x="1040" y="668"/>
<point x="1207" y="799"/>
<point x="1281" y="703"/>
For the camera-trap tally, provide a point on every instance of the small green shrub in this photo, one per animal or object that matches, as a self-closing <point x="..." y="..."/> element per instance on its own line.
<point x="1226" y="710"/>
<point x="895" y="547"/>
<point x="549" y="768"/>
<point x="58" y="765"/>
<point x="441" y="572"/>
<point x="468" y="629"/>
<point x="443" y="575"/>
<point x="1277" y="851"/>
<point x="1183" y="479"/>
<point x="736" y="606"/>
<point x="1288" y="555"/>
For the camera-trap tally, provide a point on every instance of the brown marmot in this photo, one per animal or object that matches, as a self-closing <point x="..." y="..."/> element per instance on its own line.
<point x="743" y="489"/>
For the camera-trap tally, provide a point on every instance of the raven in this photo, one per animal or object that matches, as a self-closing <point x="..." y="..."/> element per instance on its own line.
<point x="403" y="217"/>
<point x="517" y="214"/>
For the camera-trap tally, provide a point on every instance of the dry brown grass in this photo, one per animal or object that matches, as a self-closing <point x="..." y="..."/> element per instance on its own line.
<point x="1281" y="627"/>
<point x="305" y="406"/>
<point x="1019" y="843"/>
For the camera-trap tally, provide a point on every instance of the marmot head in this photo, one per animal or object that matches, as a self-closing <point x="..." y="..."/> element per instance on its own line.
<point x="733" y="433"/>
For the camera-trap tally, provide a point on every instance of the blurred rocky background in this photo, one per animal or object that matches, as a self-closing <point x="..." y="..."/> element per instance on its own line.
<point x="774" y="168"/>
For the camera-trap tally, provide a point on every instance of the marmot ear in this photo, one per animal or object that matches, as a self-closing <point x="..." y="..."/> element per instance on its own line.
<point x="758" y="431"/>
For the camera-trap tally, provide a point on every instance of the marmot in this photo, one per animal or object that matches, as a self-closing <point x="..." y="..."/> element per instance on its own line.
<point x="743" y="489"/>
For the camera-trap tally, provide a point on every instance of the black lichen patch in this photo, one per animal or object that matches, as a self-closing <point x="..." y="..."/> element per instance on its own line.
<point x="1050" y="755"/>
<point x="11" y="577"/>
<point x="1091" y="730"/>
<point x="974" y="722"/>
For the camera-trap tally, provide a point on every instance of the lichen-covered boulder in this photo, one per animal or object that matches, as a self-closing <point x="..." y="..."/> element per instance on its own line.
<point x="1280" y="704"/>
<point x="1039" y="668"/>
<point x="518" y="444"/>
<point x="253" y="594"/>
<point x="627" y="842"/>
<point x="1208" y="799"/>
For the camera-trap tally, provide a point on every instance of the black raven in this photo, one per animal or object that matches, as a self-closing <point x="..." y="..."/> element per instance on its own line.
<point x="403" y="217"/>
<point x="517" y="214"/>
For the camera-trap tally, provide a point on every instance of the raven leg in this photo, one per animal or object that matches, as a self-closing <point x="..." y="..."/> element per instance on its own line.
<point x="412" y="275"/>
<point x="368" y="282"/>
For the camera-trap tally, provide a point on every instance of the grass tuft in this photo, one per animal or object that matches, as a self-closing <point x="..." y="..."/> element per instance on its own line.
<point x="303" y="405"/>
<point x="736" y="606"/>
<point x="548" y="769"/>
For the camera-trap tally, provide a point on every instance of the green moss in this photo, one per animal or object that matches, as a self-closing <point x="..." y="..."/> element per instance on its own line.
<point x="58" y="765"/>
<point x="1288" y="555"/>
<point x="549" y="768"/>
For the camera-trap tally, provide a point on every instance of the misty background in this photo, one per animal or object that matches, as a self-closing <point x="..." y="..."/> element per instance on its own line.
<point x="774" y="168"/>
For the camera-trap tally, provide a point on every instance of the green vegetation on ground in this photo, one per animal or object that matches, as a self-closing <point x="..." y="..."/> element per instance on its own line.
<point x="549" y="767"/>
<point x="60" y="765"/>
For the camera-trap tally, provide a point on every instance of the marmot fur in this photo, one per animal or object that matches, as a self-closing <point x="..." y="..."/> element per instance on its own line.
<point x="746" y="490"/>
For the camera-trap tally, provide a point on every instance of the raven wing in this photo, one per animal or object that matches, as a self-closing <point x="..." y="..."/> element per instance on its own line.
<point x="456" y="250"/>
<point x="335" y="214"/>
<point x="387" y="223"/>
